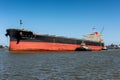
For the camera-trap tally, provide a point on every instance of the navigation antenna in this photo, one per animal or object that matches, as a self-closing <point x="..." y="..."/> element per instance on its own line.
<point x="21" y="24"/>
<point x="101" y="30"/>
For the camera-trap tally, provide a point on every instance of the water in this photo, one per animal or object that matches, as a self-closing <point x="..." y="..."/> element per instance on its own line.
<point x="98" y="65"/>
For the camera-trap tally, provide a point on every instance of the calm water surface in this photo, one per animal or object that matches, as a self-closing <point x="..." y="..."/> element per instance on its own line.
<point x="98" y="65"/>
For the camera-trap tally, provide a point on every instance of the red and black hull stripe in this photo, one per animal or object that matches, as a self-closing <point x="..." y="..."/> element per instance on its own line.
<point x="21" y="40"/>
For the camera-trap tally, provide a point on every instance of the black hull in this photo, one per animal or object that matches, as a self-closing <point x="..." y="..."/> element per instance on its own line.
<point x="82" y="49"/>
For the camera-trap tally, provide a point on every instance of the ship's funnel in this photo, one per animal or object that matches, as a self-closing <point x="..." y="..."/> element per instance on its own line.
<point x="96" y="33"/>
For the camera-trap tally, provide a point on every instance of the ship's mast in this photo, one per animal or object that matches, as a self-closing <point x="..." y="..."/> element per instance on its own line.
<point x="21" y="24"/>
<point x="102" y="30"/>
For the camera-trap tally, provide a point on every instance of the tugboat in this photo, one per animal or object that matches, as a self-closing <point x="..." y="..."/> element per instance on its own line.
<point x="83" y="47"/>
<point x="104" y="48"/>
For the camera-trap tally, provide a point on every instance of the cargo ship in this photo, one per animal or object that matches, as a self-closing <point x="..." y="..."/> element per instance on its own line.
<point x="24" y="40"/>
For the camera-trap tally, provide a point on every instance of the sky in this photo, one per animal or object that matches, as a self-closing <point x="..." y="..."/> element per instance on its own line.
<point x="70" y="18"/>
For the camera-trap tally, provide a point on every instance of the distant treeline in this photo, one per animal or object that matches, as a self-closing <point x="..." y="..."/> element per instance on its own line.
<point x="1" y="46"/>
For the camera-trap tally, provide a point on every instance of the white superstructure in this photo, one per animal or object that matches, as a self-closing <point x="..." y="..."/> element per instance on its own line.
<point x="94" y="37"/>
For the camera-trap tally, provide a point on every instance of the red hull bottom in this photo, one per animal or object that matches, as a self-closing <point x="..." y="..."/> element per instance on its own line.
<point x="46" y="46"/>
